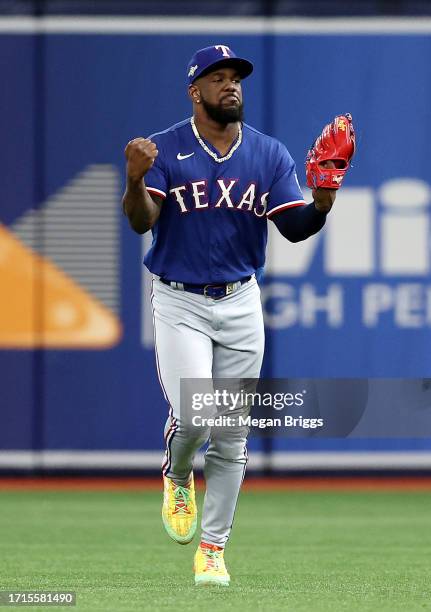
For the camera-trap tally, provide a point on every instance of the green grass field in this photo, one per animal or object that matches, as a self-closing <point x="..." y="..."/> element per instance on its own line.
<point x="295" y="551"/>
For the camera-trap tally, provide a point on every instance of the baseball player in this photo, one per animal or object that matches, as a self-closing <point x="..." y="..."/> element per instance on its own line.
<point x="206" y="188"/>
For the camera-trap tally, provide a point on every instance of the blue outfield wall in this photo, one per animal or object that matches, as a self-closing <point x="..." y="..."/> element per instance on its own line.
<point x="355" y="301"/>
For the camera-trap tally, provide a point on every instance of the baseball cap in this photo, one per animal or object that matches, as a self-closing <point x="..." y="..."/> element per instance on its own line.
<point x="205" y="60"/>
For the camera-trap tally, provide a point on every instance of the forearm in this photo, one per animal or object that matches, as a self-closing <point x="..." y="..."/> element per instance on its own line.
<point x="139" y="206"/>
<point x="300" y="222"/>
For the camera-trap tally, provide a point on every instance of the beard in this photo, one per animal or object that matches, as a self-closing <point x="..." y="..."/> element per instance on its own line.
<point x="223" y="115"/>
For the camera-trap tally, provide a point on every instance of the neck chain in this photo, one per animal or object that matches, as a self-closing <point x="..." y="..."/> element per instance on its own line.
<point x="208" y="150"/>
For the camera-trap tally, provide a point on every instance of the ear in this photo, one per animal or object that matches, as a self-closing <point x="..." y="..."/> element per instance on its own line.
<point x="194" y="94"/>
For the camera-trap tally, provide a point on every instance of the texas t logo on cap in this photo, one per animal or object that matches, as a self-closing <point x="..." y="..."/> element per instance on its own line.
<point x="225" y="50"/>
<point x="208" y="59"/>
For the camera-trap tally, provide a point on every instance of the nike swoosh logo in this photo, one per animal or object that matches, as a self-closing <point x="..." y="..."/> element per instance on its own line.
<point x="180" y="157"/>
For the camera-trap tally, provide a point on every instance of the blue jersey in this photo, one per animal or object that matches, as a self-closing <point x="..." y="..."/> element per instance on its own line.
<point x="213" y="221"/>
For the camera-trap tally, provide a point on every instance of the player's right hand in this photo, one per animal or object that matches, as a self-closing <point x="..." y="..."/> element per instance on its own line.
<point x="140" y="154"/>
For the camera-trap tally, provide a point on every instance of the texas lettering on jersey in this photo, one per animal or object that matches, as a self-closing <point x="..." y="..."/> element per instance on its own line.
<point x="213" y="222"/>
<point x="199" y="193"/>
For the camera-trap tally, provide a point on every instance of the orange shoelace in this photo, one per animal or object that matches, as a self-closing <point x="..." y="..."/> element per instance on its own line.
<point x="212" y="556"/>
<point x="182" y="500"/>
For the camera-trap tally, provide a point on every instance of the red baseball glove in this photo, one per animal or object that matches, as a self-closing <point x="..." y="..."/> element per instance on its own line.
<point x="335" y="144"/>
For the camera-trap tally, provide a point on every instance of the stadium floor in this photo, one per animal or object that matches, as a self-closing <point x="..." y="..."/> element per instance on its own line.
<point x="295" y="550"/>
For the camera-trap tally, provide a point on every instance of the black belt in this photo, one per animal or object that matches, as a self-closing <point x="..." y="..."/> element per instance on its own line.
<point x="211" y="290"/>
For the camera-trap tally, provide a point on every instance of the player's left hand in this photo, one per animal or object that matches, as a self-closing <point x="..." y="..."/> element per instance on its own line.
<point x="329" y="159"/>
<point x="324" y="198"/>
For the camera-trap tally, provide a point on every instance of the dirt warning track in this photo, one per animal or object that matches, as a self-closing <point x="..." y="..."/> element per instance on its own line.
<point x="318" y="483"/>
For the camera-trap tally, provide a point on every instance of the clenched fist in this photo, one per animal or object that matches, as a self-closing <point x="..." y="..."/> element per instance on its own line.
<point x="140" y="154"/>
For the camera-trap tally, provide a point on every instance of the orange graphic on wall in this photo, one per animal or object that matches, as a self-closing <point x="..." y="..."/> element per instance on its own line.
<point x="41" y="307"/>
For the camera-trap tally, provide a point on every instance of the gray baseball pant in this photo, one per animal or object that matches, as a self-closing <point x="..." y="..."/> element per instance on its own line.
<point x="197" y="337"/>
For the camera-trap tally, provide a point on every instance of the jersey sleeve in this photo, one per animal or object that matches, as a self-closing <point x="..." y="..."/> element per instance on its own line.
<point x="285" y="191"/>
<point x="156" y="179"/>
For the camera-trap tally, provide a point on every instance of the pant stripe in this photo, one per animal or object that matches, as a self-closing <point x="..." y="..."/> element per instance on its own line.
<point x="168" y="438"/>
<point x="166" y="465"/>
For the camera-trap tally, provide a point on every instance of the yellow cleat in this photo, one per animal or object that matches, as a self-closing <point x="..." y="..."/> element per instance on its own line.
<point x="209" y="566"/>
<point x="179" y="511"/>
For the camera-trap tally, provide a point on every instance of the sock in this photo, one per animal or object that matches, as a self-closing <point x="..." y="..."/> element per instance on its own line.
<point x="210" y="546"/>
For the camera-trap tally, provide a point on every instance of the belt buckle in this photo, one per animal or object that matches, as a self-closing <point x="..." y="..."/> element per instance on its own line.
<point x="205" y="290"/>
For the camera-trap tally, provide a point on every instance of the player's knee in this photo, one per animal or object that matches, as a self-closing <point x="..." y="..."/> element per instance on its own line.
<point x="197" y="436"/>
<point x="231" y="448"/>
